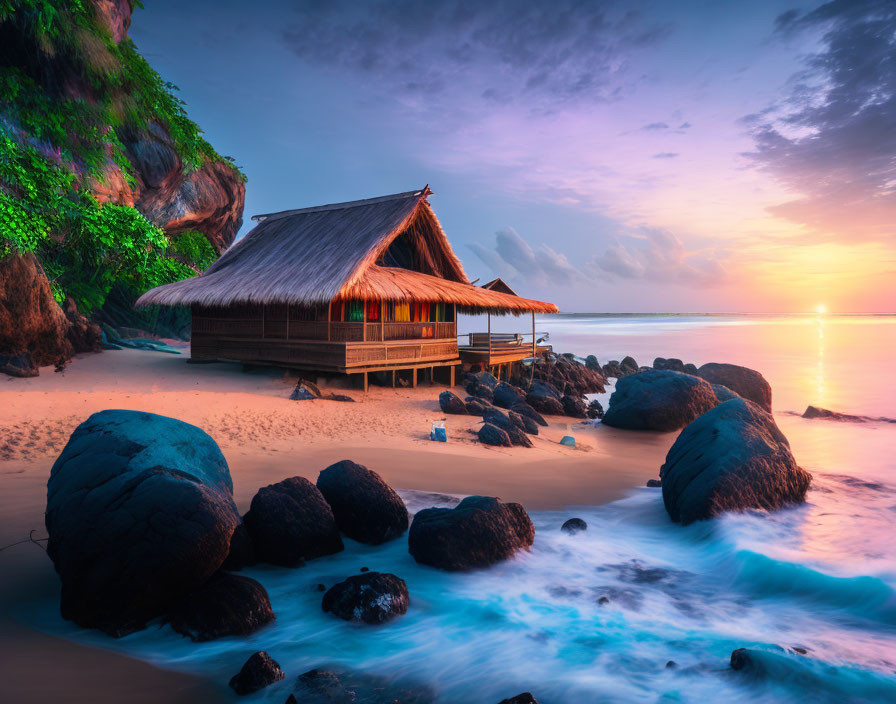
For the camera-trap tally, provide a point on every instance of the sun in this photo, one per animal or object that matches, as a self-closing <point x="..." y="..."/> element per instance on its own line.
<point x="821" y="309"/>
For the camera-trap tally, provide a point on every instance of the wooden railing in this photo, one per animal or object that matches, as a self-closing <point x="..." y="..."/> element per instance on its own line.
<point x="498" y="340"/>
<point x="334" y="331"/>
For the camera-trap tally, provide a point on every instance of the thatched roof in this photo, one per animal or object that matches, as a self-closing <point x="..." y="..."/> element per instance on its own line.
<point x="499" y="285"/>
<point x="342" y="251"/>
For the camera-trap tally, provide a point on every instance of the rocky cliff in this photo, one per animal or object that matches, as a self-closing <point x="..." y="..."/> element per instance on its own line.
<point x="106" y="187"/>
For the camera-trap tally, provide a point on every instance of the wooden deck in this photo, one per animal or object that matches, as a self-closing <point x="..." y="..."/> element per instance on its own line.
<point x="496" y="349"/>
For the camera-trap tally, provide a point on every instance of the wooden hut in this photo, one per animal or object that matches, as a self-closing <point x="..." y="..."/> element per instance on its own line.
<point x="356" y="287"/>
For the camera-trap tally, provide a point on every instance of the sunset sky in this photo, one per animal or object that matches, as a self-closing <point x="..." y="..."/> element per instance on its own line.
<point x="617" y="156"/>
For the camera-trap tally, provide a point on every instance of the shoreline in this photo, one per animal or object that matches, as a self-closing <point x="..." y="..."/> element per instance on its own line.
<point x="265" y="438"/>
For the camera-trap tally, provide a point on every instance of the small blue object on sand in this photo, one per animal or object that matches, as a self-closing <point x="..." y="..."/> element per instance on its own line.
<point x="568" y="440"/>
<point x="438" y="432"/>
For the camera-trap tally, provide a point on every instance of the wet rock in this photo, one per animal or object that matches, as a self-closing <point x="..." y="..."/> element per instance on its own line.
<point x="451" y="403"/>
<point x="506" y="395"/>
<point x="259" y="671"/>
<point x="478" y="532"/>
<point x="671" y="664"/>
<point x="524" y="698"/>
<point x="690" y="369"/>
<point x="573" y="526"/>
<point x="373" y="598"/>
<point x="290" y="522"/>
<point x="516" y="434"/>
<point x="320" y="686"/>
<point x="740" y="659"/>
<point x="139" y="514"/>
<point x="672" y="364"/>
<point x="745" y="382"/>
<point x="595" y="410"/>
<point x="630" y="364"/>
<point x="493" y="435"/>
<point x="524" y="423"/>
<point x="723" y="393"/>
<point x="815" y="412"/>
<point x="226" y="605"/>
<point x="733" y="457"/>
<point x="654" y="483"/>
<point x="574" y="406"/>
<point x="242" y="551"/>
<point x="365" y="507"/>
<point x="592" y="363"/>
<point x="476" y="406"/>
<point x="658" y="400"/>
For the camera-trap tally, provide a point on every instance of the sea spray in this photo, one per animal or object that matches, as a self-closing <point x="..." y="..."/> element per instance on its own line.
<point x="591" y="616"/>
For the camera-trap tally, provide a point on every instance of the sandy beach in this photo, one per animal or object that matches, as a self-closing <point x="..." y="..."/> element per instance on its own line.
<point x="265" y="438"/>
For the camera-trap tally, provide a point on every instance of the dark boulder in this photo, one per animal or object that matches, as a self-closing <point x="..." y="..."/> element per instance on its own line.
<point x="658" y="400"/>
<point x="690" y="369"/>
<point x="573" y="526"/>
<point x="478" y="532"/>
<point x="524" y="423"/>
<point x="139" y="513"/>
<point x="614" y="369"/>
<point x="745" y="382"/>
<point x="654" y="483"/>
<point x="476" y="406"/>
<point x="290" y="522"/>
<point x="83" y="334"/>
<point x="372" y="597"/>
<point x="723" y="393"/>
<point x="478" y="390"/>
<point x="630" y="364"/>
<point x="594" y="410"/>
<point x="544" y="388"/>
<point x="672" y="364"/>
<point x="733" y="457"/>
<point x="592" y="363"/>
<point x="34" y="330"/>
<point x="813" y="412"/>
<point x="545" y="404"/>
<point x="574" y="406"/>
<point x="21" y="365"/>
<point x="493" y="435"/>
<point x="365" y="507"/>
<point x="321" y="686"/>
<point x="226" y="605"/>
<point x="524" y="698"/>
<point x="259" y="671"/>
<point x="516" y="433"/>
<point x="484" y="378"/>
<point x="451" y="403"/>
<point x="524" y="409"/>
<point x="242" y="551"/>
<point x="506" y="395"/>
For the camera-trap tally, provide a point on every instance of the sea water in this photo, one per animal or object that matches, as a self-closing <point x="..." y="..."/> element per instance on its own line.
<point x="637" y="608"/>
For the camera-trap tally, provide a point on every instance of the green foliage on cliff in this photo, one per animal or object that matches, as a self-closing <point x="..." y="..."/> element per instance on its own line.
<point x="54" y="147"/>
<point x="102" y="244"/>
